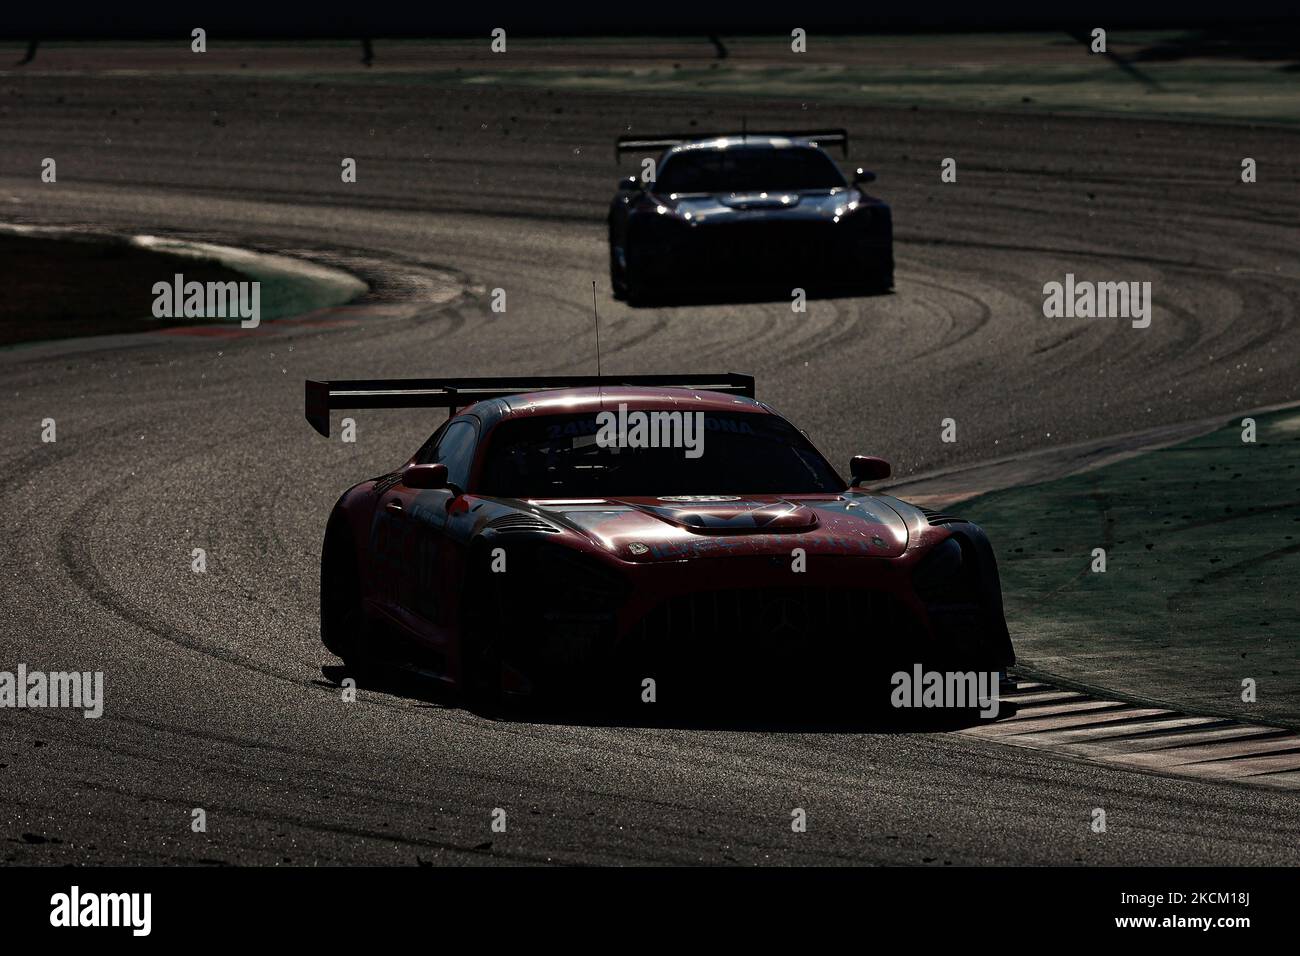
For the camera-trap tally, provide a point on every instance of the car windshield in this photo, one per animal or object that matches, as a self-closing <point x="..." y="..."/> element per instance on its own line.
<point x="570" y="456"/>
<point x="748" y="169"/>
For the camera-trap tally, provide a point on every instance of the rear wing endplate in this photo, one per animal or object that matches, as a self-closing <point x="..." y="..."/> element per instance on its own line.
<point x="454" y="393"/>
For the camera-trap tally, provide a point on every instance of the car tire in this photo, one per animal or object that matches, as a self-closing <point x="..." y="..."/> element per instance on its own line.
<point x="628" y="277"/>
<point x="481" y="662"/>
<point x="342" y="615"/>
<point x="879" y="275"/>
<point x="617" y="282"/>
<point x="635" y="287"/>
<point x="481" y="674"/>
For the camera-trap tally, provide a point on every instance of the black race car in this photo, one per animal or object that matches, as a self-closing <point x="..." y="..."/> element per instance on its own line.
<point x="764" y="209"/>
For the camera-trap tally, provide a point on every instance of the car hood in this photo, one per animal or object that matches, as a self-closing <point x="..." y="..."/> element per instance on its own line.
<point x="682" y="526"/>
<point x="811" y="205"/>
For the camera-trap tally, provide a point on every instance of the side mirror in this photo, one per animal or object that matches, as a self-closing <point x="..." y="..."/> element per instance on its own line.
<point x="424" y="477"/>
<point x="628" y="184"/>
<point x="863" y="176"/>
<point x="868" y="468"/>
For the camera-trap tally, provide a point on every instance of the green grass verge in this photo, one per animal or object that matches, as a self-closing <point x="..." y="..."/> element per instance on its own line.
<point x="1202" y="545"/>
<point x="58" y="288"/>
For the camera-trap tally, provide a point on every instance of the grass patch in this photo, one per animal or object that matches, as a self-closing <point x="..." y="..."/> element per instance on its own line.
<point x="1202" y="545"/>
<point x="59" y="288"/>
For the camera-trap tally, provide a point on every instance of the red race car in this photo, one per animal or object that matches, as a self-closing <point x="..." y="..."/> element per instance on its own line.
<point x="575" y="535"/>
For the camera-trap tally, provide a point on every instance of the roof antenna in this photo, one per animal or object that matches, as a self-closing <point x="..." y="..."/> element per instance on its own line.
<point x="744" y="135"/>
<point x="596" y="315"/>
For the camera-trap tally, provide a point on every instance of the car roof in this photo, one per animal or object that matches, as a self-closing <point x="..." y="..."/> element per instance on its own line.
<point x="749" y="141"/>
<point x="575" y="401"/>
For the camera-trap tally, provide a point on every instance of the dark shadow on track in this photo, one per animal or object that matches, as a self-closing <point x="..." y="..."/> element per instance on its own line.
<point x="748" y="713"/>
<point x="1262" y="42"/>
<point x="748" y="294"/>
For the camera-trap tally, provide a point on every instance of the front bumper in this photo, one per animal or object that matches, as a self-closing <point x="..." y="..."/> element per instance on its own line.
<point x="709" y="625"/>
<point x="793" y="253"/>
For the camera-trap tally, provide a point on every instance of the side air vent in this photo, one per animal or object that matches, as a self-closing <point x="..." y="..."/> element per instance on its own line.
<point x="516" y="522"/>
<point x="938" y="517"/>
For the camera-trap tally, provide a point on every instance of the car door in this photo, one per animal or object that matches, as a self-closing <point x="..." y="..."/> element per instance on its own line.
<point x="411" y="543"/>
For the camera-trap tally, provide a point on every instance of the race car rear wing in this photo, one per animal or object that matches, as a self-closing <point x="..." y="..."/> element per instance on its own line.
<point x="454" y="393"/>
<point x="656" y="142"/>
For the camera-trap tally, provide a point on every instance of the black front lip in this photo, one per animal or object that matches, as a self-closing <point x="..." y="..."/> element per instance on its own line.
<point x="773" y="250"/>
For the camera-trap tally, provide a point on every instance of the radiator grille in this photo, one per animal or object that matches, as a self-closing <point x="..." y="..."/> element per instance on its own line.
<point x="783" y="628"/>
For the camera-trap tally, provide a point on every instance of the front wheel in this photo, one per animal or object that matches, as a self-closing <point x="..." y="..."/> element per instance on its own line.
<point x="342" y="617"/>
<point x="480" y="649"/>
<point x="628" y="274"/>
<point x="480" y="673"/>
<point x="878" y="273"/>
<point x="617" y="279"/>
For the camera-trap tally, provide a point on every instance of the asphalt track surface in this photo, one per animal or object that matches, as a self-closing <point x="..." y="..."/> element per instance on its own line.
<point x="215" y="694"/>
